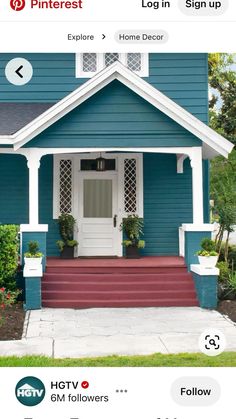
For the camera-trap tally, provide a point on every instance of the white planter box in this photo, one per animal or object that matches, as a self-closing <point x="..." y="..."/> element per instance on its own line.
<point x="33" y="262"/>
<point x="208" y="261"/>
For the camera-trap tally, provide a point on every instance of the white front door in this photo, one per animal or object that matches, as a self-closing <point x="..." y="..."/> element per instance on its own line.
<point x="98" y="233"/>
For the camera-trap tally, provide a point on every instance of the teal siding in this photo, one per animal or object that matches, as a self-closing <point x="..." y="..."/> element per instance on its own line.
<point x="13" y="190"/>
<point x="116" y="117"/>
<point x="46" y="204"/>
<point x="167" y="203"/>
<point x="182" y="77"/>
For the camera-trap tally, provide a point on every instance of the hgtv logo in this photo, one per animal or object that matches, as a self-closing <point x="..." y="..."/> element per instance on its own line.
<point x="30" y="391"/>
<point x="19" y="5"/>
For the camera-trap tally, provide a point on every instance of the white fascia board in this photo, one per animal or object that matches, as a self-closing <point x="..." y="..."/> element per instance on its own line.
<point x="203" y="271"/>
<point x="138" y="85"/>
<point x="198" y="227"/>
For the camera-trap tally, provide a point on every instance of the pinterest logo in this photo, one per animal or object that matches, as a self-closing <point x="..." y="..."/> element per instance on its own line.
<point x="17" y="5"/>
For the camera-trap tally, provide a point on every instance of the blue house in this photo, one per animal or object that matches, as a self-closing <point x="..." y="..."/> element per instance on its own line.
<point x="147" y="115"/>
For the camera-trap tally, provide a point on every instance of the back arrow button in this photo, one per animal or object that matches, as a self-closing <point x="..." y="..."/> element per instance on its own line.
<point x="18" y="72"/>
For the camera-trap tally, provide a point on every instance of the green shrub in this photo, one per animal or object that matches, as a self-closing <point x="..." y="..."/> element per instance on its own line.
<point x="231" y="255"/>
<point x="224" y="271"/>
<point x="9" y="246"/>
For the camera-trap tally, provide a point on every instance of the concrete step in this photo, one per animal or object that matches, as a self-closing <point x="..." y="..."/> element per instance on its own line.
<point x="79" y="304"/>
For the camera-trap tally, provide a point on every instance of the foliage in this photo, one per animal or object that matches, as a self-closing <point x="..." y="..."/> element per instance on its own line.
<point x="224" y="271"/>
<point x="9" y="246"/>
<point x="231" y="282"/>
<point x="33" y="250"/>
<point x="7" y="298"/>
<point x="222" y="119"/>
<point x="66" y="228"/>
<point x="208" y="248"/>
<point x="132" y="226"/>
<point x="208" y="244"/>
<point x="222" y="80"/>
<point x="140" y="244"/>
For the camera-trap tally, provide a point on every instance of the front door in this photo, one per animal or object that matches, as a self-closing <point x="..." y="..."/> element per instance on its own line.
<point x="98" y="210"/>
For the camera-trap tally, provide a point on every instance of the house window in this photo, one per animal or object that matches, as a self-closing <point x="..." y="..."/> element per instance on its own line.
<point x="130" y="186"/>
<point x="88" y="64"/>
<point x="65" y="186"/>
<point x="89" y="164"/>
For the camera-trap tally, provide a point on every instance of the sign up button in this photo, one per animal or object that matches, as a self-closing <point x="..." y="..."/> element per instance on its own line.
<point x="141" y="36"/>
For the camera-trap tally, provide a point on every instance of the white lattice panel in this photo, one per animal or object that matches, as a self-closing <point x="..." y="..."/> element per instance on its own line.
<point x="134" y="61"/>
<point x="130" y="186"/>
<point x="65" y="196"/>
<point x="110" y="58"/>
<point x="89" y="62"/>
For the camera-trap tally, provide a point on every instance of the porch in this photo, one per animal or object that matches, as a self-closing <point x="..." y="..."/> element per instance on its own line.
<point x="118" y="282"/>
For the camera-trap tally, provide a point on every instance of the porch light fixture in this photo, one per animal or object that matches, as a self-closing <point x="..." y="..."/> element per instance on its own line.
<point x="100" y="164"/>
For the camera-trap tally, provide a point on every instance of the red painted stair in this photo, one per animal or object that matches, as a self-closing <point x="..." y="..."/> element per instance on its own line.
<point x="115" y="284"/>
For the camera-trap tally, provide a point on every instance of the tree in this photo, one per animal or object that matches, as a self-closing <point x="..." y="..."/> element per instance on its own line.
<point x="222" y="80"/>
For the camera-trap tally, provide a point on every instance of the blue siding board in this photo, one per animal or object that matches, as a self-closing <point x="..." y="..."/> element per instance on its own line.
<point x="167" y="203"/>
<point x="13" y="189"/>
<point x="46" y="204"/>
<point x="83" y="126"/>
<point x="54" y="78"/>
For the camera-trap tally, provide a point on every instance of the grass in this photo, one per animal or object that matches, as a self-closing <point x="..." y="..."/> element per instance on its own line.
<point x="227" y="359"/>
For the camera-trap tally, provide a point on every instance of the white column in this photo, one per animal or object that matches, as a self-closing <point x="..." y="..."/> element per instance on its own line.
<point x="197" y="184"/>
<point x="33" y="165"/>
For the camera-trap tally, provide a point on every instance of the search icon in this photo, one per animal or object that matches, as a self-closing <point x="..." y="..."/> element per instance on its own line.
<point x="212" y="342"/>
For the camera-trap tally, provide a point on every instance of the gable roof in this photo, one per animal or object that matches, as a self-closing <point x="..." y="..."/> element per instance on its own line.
<point x="213" y="143"/>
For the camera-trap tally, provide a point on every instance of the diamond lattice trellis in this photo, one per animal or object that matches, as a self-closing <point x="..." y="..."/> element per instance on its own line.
<point x="134" y="61"/>
<point x="110" y="58"/>
<point x="65" y="186"/>
<point x="89" y="62"/>
<point x="130" y="186"/>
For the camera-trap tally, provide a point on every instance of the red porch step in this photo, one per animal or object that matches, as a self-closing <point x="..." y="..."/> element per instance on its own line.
<point x="117" y="284"/>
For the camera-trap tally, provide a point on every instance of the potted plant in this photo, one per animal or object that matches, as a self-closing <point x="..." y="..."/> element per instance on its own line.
<point x="33" y="258"/>
<point x="207" y="256"/>
<point x="67" y="243"/>
<point x="132" y="227"/>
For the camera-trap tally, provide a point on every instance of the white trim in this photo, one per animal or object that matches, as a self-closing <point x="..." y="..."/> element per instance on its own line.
<point x="35" y="272"/>
<point x="198" y="227"/>
<point x="197" y="185"/>
<point x="100" y="58"/>
<point x="214" y="143"/>
<point x="180" y="162"/>
<point x="202" y="271"/>
<point x="181" y="242"/>
<point x="34" y="228"/>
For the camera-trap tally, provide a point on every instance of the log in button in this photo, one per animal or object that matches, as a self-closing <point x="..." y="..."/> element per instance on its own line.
<point x="156" y="36"/>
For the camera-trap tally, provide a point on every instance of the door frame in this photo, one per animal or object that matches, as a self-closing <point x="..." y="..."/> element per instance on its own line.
<point x="76" y="165"/>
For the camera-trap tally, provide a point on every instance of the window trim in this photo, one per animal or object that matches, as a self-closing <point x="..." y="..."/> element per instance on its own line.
<point x="79" y="73"/>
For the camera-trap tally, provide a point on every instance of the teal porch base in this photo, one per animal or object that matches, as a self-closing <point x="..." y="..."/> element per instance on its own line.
<point x="33" y="293"/>
<point x="206" y="285"/>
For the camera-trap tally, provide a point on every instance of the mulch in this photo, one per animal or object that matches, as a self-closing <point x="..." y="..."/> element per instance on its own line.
<point x="228" y="307"/>
<point x="12" y="327"/>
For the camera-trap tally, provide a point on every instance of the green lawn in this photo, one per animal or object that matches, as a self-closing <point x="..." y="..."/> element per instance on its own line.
<point x="227" y="359"/>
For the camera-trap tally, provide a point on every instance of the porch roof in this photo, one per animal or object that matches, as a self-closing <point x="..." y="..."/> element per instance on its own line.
<point x="213" y="143"/>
